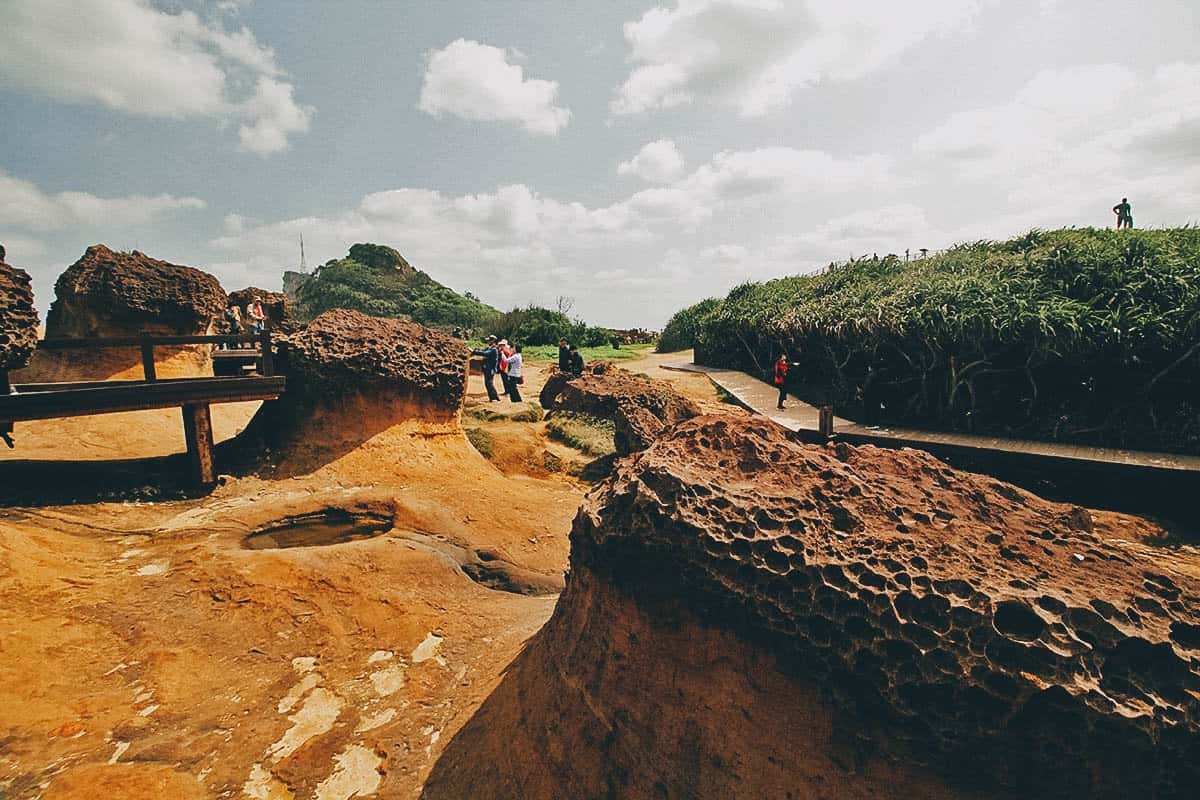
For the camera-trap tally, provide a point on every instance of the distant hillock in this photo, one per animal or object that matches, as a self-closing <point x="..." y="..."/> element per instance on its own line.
<point x="1080" y="335"/>
<point x="378" y="281"/>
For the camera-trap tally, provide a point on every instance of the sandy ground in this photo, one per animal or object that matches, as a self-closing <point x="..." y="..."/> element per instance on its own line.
<point x="146" y="652"/>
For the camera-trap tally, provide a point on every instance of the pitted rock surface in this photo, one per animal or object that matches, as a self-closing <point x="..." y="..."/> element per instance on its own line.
<point x="954" y="619"/>
<point x="343" y="352"/>
<point x="107" y="293"/>
<point x="640" y="408"/>
<point x="18" y="319"/>
<point x="275" y="305"/>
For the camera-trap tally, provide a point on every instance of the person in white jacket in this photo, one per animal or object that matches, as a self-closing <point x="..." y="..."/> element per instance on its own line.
<point x="515" y="365"/>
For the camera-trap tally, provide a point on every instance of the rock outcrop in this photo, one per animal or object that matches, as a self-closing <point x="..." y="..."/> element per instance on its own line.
<point x="108" y="293"/>
<point x="275" y="305"/>
<point x="909" y="630"/>
<point x="18" y="319"/>
<point x="350" y="377"/>
<point x="113" y="294"/>
<point x="640" y="408"/>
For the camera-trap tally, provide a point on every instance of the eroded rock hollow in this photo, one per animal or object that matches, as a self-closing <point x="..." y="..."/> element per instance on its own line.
<point x="275" y="305"/>
<point x="751" y="616"/>
<point x="640" y="408"/>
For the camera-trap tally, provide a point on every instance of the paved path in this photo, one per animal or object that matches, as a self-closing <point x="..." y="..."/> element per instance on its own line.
<point x="760" y="397"/>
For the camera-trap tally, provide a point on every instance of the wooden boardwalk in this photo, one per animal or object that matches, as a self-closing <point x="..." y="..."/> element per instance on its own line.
<point x="1110" y="477"/>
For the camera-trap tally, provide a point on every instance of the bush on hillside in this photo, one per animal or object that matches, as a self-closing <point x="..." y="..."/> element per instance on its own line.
<point x="1088" y="336"/>
<point x="684" y="326"/>
<point x="534" y="325"/>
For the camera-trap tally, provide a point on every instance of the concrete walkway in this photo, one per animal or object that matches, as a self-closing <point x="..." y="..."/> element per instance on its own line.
<point x="760" y="397"/>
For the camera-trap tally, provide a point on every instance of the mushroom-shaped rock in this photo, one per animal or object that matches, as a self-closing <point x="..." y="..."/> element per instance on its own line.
<point x="640" y="408"/>
<point x="113" y="294"/>
<point x="109" y="293"/>
<point x="18" y="319"/>
<point x="929" y="619"/>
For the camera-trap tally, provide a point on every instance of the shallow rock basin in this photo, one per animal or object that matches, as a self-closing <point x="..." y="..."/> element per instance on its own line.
<point x="318" y="530"/>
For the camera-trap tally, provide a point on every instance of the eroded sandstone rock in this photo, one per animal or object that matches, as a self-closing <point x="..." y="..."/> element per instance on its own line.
<point x="18" y="318"/>
<point x="109" y="293"/>
<point x="641" y="408"/>
<point x="1014" y="646"/>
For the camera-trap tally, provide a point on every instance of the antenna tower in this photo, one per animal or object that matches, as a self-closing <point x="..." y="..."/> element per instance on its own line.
<point x="303" y="263"/>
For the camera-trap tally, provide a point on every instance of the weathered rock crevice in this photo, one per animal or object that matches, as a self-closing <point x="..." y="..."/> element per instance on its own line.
<point x="18" y="318"/>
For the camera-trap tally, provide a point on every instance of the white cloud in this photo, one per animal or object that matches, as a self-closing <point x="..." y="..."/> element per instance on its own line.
<point x="23" y="205"/>
<point x="753" y="55"/>
<point x="130" y="57"/>
<point x="657" y="162"/>
<point x="476" y="81"/>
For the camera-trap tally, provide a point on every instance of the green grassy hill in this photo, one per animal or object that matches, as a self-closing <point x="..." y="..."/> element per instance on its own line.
<point x="377" y="280"/>
<point x="1081" y="335"/>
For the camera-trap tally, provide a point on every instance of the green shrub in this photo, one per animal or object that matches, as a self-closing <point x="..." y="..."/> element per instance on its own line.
<point x="587" y="434"/>
<point x="534" y="325"/>
<point x="685" y="325"/>
<point x="531" y="414"/>
<point x="482" y="441"/>
<point x="1080" y="335"/>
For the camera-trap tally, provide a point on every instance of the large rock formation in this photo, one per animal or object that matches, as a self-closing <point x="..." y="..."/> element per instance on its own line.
<point x="113" y="294"/>
<point x="107" y="293"/>
<point x="750" y="616"/>
<point x="640" y="408"/>
<point x="275" y="305"/>
<point x="351" y="377"/>
<point x="18" y="319"/>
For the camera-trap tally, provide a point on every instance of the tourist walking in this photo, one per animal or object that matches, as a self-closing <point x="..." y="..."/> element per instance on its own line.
<point x="575" y="361"/>
<point x="491" y="363"/>
<point x="516" y="374"/>
<point x="781" y="371"/>
<point x="564" y="355"/>
<point x="1124" y="213"/>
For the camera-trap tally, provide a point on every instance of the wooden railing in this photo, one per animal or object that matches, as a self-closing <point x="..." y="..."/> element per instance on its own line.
<point x="148" y="343"/>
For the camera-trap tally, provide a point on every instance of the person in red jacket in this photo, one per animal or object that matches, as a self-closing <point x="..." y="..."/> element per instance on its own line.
<point x="781" y="371"/>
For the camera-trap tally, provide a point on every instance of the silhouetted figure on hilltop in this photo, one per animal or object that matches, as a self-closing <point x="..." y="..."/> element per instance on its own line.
<point x="1124" y="213"/>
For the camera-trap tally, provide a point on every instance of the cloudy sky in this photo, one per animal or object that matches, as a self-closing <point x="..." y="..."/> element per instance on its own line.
<point x="637" y="157"/>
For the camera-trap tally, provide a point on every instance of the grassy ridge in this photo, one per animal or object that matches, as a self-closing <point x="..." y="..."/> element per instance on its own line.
<point x="1078" y="335"/>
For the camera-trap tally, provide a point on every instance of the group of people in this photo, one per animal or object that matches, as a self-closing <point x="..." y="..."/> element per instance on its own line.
<point x="504" y="359"/>
<point x="252" y="320"/>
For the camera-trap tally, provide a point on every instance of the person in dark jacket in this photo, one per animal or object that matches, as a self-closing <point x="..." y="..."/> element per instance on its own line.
<point x="491" y="365"/>
<point x="564" y="355"/>
<point x="575" y="361"/>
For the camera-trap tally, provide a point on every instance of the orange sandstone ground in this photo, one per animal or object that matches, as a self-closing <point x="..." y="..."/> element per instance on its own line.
<point x="146" y="652"/>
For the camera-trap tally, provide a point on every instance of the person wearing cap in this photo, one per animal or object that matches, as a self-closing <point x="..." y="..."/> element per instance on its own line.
<point x="503" y="348"/>
<point x="491" y="364"/>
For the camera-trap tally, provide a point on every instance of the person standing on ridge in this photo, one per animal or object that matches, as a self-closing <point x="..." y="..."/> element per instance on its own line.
<point x="516" y="365"/>
<point x="1124" y="213"/>
<point x="564" y="355"/>
<point x="781" y="371"/>
<point x="491" y="363"/>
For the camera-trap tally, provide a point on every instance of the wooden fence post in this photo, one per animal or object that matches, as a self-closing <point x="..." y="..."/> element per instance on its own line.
<point x="148" y="362"/>
<point x="267" y="358"/>
<point x="197" y="430"/>
<point x="825" y="421"/>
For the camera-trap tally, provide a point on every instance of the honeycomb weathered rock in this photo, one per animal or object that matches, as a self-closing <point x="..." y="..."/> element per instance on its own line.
<point x="18" y="318"/>
<point x="347" y="352"/>
<point x="954" y="620"/>
<point x="640" y="408"/>
<point x="107" y="293"/>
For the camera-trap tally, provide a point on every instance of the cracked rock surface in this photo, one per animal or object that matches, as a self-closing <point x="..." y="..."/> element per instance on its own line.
<point x="640" y="408"/>
<point x="18" y="319"/>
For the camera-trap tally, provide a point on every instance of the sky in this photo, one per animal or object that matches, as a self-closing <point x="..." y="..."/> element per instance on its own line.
<point x="632" y="155"/>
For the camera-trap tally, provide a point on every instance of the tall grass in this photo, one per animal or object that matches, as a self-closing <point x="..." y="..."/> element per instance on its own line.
<point x="1078" y="335"/>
